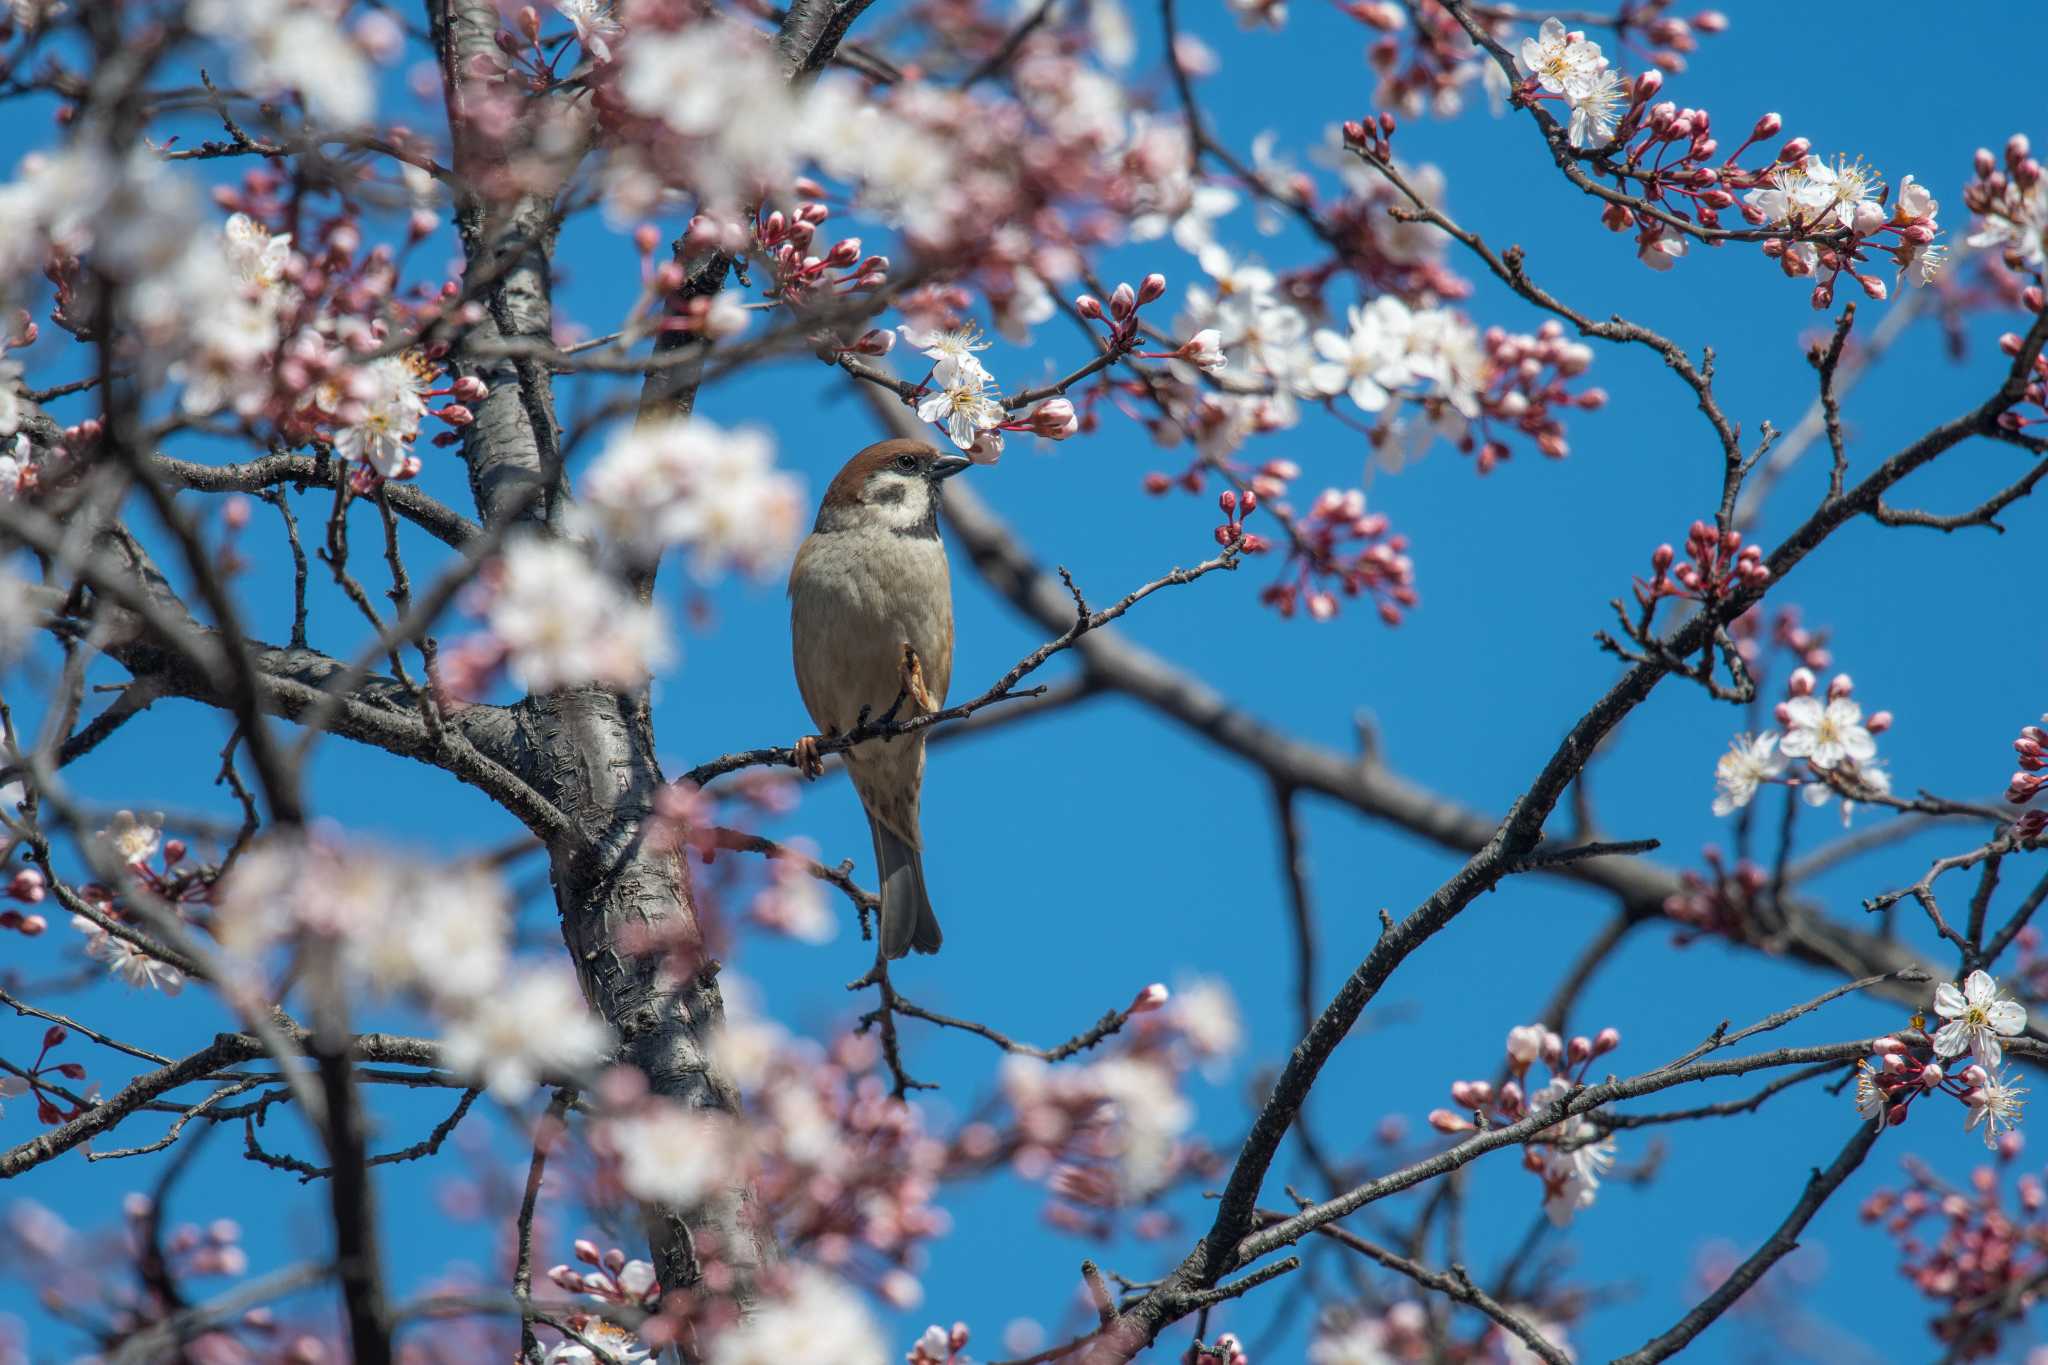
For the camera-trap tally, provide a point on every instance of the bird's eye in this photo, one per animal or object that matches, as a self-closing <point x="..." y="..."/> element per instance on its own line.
<point x="906" y="463"/>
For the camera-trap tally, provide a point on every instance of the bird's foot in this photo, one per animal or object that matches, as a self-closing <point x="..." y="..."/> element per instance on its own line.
<point x="808" y="761"/>
<point x="913" y="682"/>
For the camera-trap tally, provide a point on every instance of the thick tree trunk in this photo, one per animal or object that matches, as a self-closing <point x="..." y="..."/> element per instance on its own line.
<point x="593" y="756"/>
<point x="589" y="752"/>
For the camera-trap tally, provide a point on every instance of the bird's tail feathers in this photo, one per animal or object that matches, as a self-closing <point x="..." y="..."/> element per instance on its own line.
<point x="907" y="919"/>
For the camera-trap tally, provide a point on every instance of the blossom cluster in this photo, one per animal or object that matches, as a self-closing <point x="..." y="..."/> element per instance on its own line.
<point x="1829" y="732"/>
<point x="1975" y="1017"/>
<point x="1823" y="217"/>
<point x="1427" y="63"/>
<point x="1570" y="1156"/>
<point x="436" y="933"/>
<point x="1986" y="1252"/>
<point x="1718" y="564"/>
<point x="2026" y="784"/>
<point x="246" y="319"/>
<point x="2010" y="201"/>
<point x="1378" y="1333"/>
<point x="553" y="620"/>
<point x="1114" y="1133"/>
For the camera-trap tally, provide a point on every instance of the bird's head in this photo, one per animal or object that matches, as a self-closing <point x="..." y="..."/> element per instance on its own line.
<point x="890" y="486"/>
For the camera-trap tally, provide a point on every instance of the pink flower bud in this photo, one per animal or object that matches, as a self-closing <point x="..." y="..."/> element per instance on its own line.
<point x="1769" y="126"/>
<point x="1088" y="306"/>
<point x="1647" y="85"/>
<point x="875" y="341"/>
<point x="1444" y="1121"/>
<point x="1605" y="1041"/>
<point x="1800" y="684"/>
<point x="1888" y="1047"/>
<point x="1580" y="1050"/>
<point x="1055" y="419"/>
<point x="1149" y="999"/>
<point x="1123" y="302"/>
<point x="1525" y="1045"/>
<point x="1795" y="151"/>
<point x="1839" y="686"/>
<point x="646" y="237"/>
<point x="1152" y="287"/>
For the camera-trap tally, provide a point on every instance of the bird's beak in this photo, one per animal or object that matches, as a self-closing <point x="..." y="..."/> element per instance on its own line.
<point x="946" y="466"/>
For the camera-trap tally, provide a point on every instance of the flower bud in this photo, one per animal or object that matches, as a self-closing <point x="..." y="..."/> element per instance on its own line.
<point x="1605" y="1041"/>
<point x="1055" y="419"/>
<point x="1795" y="151"/>
<point x="1769" y="126"/>
<point x="1152" y="287"/>
<point x="1444" y="1121"/>
<point x="1123" y="302"/>
<point x="1149" y="999"/>
<point x="1088" y="306"/>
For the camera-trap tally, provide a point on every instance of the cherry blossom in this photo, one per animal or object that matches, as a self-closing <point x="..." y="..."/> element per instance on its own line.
<point x="293" y="45"/>
<point x="1747" y="763"/>
<point x="1562" y="61"/>
<point x="816" y="1320"/>
<point x="1826" y="733"/>
<point x="533" y="1026"/>
<point x="1995" y="1102"/>
<point x="560" y="622"/>
<point x="1977" y="1017"/>
<point x="688" y="483"/>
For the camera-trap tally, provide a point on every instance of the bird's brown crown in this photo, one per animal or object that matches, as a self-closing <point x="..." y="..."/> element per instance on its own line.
<point x="847" y="483"/>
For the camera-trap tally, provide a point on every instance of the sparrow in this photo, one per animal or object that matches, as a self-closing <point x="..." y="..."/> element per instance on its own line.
<point x="871" y="626"/>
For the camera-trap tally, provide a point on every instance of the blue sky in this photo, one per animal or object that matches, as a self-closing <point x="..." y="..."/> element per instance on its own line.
<point x="1075" y="859"/>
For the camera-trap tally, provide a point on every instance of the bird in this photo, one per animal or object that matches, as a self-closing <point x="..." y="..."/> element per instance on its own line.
<point x="871" y="631"/>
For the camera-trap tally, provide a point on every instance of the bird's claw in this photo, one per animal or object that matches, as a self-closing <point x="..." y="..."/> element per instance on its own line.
<point x="913" y="682"/>
<point x="808" y="761"/>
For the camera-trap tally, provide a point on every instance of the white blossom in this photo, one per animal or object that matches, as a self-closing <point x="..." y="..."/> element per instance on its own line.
<point x="133" y="839"/>
<point x="1206" y="1013"/>
<point x="1996" y="1104"/>
<point x="818" y="1322"/>
<point x="533" y="1025"/>
<point x="293" y="45"/>
<point x="1825" y="735"/>
<point x="620" y="1346"/>
<point x="595" y="25"/>
<point x="1871" y="1100"/>
<point x="1748" y="763"/>
<point x="952" y="354"/>
<point x="672" y="1155"/>
<point x="126" y="962"/>
<point x="1978" y="1016"/>
<point x="566" y="623"/>
<point x="1815" y="196"/>
<point x="1596" y="108"/>
<point x="966" y="410"/>
<point x="1149" y="1116"/>
<point x="690" y="483"/>
<point x="1362" y="1341"/>
<point x="383" y="404"/>
<point x="1563" y="62"/>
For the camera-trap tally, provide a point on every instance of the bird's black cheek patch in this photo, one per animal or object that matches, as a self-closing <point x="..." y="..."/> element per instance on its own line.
<point x="887" y="492"/>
